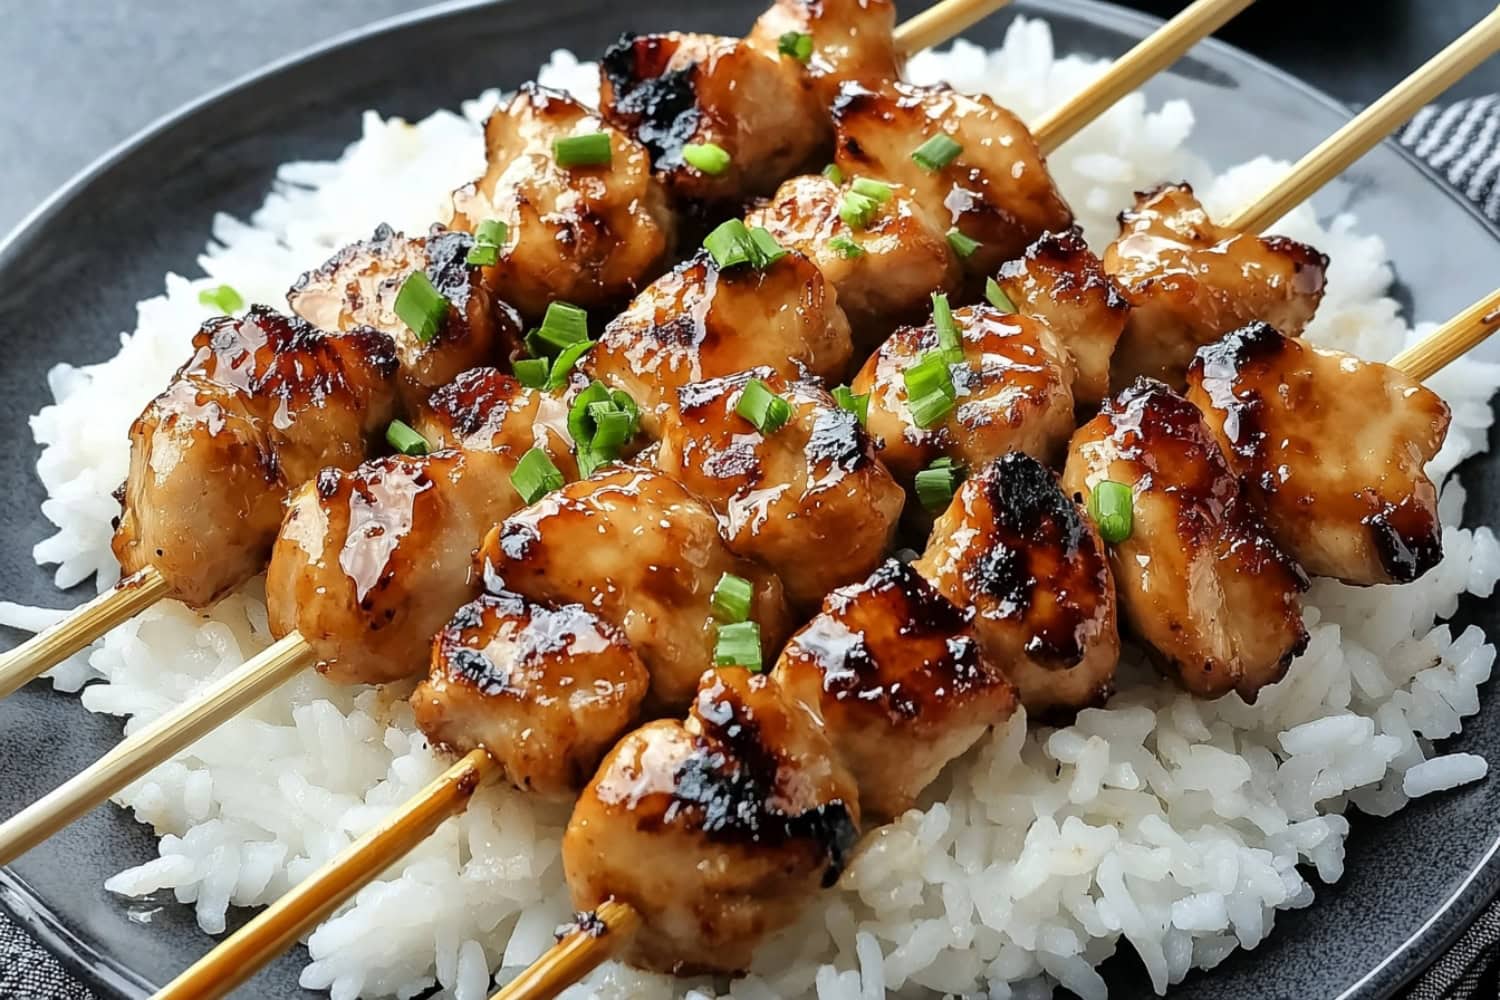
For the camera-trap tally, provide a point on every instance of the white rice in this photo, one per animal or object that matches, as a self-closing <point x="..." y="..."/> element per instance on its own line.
<point x="1178" y="825"/>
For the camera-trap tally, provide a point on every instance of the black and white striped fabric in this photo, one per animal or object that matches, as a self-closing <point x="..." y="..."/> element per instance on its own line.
<point x="1462" y="142"/>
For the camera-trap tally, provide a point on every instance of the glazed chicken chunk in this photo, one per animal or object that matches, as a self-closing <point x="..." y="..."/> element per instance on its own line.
<point x="265" y="402"/>
<point x="1060" y="280"/>
<point x="716" y="829"/>
<point x="899" y="259"/>
<point x="546" y="690"/>
<point x="996" y="190"/>
<point x="808" y="499"/>
<point x="370" y="564"/>
<point x="1190" y="281"/>
<point x="635" y="548"/>
<point x="1199" y="580"/>
<point x="1332" y="449"/>
<point x="699" y="321"/>
<point x="850" y="40"/>
<point x="591" y="235"/>
<point x="1021" y="554"/>
<point x="1010" y="393"/>
<point x="677" y="89"/>
<point x="358" y="287"/>
<point x="897" y="678"/>
<point x="489" y="415"/>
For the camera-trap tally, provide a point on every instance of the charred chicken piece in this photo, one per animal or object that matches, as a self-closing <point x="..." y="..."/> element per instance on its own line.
<point x="848" y="40"/>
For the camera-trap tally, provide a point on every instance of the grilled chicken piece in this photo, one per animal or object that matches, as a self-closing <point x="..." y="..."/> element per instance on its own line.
<point x="698" y="322"/>
<point x="1331" y="448"/>
<point x="716" y="829"/>
<point x="1189" y="281"/>
<point x="634" y="547"/>
<point x="1199" y="580"/>
<point x="895" y="674"/>
<point x="546" y="690"/>
<point x="592" y="236"/>
<point x="265" y="402"/>
<point x="676" y="89"/>
<point x="809" y="500"/>
<point x="370" y="564"/>
<point x="1060" y="280"/>
<point x="486" y="412"/>
<point x="903" y="254"/>
<point x="851" y="40"/>
<point x="1012" y="393"/>
<point x="1031" y="565"/>
<point x="997" y="190"/>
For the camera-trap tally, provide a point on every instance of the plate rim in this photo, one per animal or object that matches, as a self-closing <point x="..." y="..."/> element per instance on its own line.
<point x="109" y="976"/>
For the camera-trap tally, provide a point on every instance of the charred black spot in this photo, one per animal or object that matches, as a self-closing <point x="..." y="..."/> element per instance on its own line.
<point x="1407" y="539"/>
<point x="838" y="439"/>
<point x="696" y="396"/>
<point x="1065" y="258"/>
<point x="1033" y="502"/>
<point x="328" y="483"/>
<point x="473" y="666"/>
<point x="517" y="539"/>
<point x="656" y="105"/>
<point x="478" y="398"/>
<point x="449" y="272"/>
<point x="470" y="616"/>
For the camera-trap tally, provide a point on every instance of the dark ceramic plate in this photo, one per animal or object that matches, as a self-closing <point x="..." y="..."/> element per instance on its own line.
<point x="1414" y="881"/>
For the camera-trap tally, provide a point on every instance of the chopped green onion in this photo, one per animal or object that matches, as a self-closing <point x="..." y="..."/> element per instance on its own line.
<point x="762" y="407"/>
<point x="937" y="483"/>
<point x="962" y="245"/>
<point x="489" y="237"/>
<point x="1111" y="505"/>
<point x="936" y="153"/>
<point x="731" y="598"/>
<point x="857" y="210"/>
<point x="856" y="403"/>
<point x="565" y="362"/>
<point x="997" y="297"/>
<point x="846" y="248"/>
<point x="601" y="422"/>
<point x="797" y="44"/>
<point x="612" y="427"/>
<point x="535" y="476"/>
<point x="563" y="324"/>
<point x="223" y="298"/>
<point x="833" y="173"/>
<point x="420" y="306"/>
<point x="483" y="255"/>
<point x="930" y="394"/>
<point x="532" y="372"/>
<point x="733" y="243"/>
<point x="878" y="191"/>
<point x="738" y="645"/>
<point x="708" y="157"/>
<point x="767" y="251"/>
<point x="590" y="150"/>
<point x="404" y="439"/>
<point x="950" y="343"/>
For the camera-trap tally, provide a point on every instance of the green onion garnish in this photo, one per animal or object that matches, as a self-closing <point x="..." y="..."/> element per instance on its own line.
<point x="733" y="243"/>
<point x="762" y="407"/>
<point x="223" y="298"/>
<point x="563" y="324"/>
<point x="833" y="173"/>
<point x="532" y="372"/>
<point x="797" y="44"/>
<point x="404" y="439"/>
<point x="731" y="598"/>
<point x="961" y="244"/>
<point x="856" y="403"/>
<point x="937" y="483"/>
<point x="846" y="248"/>
<point x="936" y="153"/>
<point x="535" y="476"/>
<point x="590" y="150"/>
<point x="489" y="237"/>
<point x="950" y="341"/>
<point x="997" y="297"/>
<point x="878" y="191"/>
<point x="857" y="210"/>
<point x="601" y="422"/>
<point x="930" y="394"/>
<point x="1111" y="505"/>
<point x="767" y="250"/>
<point x="738" y="645"/>
<point x="565" y="362"/>
<point x="420" y="306"/>
<point x="708" y="157"/>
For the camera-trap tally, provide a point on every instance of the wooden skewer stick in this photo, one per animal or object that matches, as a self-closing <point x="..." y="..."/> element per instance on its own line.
<point x="941" y="22"/>
<point x="284" y="921"/>
<point x="1452" y="340"/>
<point x="140" y="752"/>
<point x="51" y="646"/>
<point x="1334" y="154"/>
<point x="576" y="955"/>
<point x="1152" y="55"/>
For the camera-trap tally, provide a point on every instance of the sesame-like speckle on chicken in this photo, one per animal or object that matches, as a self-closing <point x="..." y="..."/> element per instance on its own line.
<point x="634" y="547"/>
<point x="851" y="40"/>
<point x="589" y="235"/>
<point x="546" y="690"/>
<point x="902" y="256"/>
<point x="717" y="829"/>
<point x="996" y="190"/>
<point x="1189" y="281"/>
<point x="898" y="678"/>
<point x="1012" y="393"/>
<point x="358" y="287"/>
<point x="265" y="402"/>
<point x="1200" y="581"/>
<point x="1013" y="547"/>
<point x="1333" y="450"/>
<point x="698" y="322"/>
<point x="809" y="500"/>
<point x="1059" y="279"/>
<point x="676" y="89"/>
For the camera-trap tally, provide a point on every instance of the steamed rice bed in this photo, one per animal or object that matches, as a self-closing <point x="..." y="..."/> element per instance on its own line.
<point x="1180" y="826"/>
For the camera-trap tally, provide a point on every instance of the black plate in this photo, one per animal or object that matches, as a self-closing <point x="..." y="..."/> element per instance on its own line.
<point x="69" y="278"/>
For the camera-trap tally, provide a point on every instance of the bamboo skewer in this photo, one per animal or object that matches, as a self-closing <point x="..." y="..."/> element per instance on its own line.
<point x="941" y="22"/>
<point x="1452" y="340"/>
